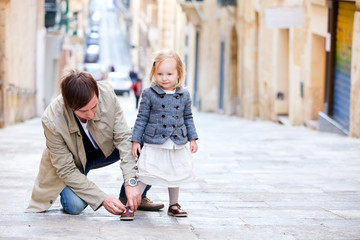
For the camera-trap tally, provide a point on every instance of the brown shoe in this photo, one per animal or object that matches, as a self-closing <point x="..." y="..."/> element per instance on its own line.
<point x="127" y="215"/>
<point x="148" y="205"/>
<point x="176" y="211"/>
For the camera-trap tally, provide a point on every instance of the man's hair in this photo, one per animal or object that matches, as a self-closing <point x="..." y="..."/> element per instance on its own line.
<point x="78" y="88"/>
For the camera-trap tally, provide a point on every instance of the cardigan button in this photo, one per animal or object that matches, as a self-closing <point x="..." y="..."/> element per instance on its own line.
<point x="161" y="96"/>
<point x="163" y="116"/>
<point x="177" y="107"/>
<point x="163" y="106"/>
<point x="177" y="96"/>
<point x="175" y="136"/>
<point x="164" y="126"/>
<point x="162" y="135"/>
<point x="173" y="126"/>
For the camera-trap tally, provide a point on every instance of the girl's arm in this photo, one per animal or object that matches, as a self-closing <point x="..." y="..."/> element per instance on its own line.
<point x="188" y="119"/>
<point x="142" y="117"/>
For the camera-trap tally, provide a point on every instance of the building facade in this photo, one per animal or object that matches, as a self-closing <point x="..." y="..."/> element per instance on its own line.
<point x="19" y="23"/>
<point x="39" y="39"/>
<point x="155" y="25"/>
<point x="291" y="61"/>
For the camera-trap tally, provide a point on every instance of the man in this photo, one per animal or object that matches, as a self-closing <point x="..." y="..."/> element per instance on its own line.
<point x="84" y="129"/>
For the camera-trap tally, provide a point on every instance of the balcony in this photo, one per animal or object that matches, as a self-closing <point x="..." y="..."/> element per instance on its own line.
<point x="192" y="8"/>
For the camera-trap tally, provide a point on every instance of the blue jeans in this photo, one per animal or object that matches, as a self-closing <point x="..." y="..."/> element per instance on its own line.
<point x="73" y="204"/>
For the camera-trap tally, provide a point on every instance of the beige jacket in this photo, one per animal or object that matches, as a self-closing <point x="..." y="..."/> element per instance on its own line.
<point x="64" y="159"/>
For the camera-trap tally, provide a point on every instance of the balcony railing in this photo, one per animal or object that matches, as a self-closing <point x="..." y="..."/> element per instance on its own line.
<point x="51" y="9"/>
<point x="227" y="2"/>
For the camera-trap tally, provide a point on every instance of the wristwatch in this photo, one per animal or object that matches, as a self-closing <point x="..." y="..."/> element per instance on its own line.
<point x="131" y="182"/>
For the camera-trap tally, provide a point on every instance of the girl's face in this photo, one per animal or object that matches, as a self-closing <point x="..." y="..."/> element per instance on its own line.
<point x="166" y="75"/>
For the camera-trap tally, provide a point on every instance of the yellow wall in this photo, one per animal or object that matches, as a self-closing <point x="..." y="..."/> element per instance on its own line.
<point x="355" y="77"/>
<point x="18" y="60"/>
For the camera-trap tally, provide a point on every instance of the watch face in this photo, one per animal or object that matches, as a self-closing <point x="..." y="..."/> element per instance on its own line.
<point x="132" y="182"/>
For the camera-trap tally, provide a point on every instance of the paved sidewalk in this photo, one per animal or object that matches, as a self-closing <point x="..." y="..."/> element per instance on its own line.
<point x="256" y="180"/>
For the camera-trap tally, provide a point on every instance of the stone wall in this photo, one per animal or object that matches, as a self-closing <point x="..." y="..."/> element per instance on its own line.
<point x="355" y="77"/>
<point x="209" y="55"/>
<point x="18" y="60"/>
<point x="4" y="9"/>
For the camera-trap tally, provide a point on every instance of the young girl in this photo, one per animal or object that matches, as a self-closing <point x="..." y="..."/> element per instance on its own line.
<point x="165" y="124"/>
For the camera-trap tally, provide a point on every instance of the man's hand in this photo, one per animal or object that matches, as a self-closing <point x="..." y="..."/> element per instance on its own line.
<point x="133" y="196"/>
<point x="113" y="205"/>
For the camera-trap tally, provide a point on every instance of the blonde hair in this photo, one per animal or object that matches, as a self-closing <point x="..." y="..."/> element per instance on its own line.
<point x="162" y="56"/>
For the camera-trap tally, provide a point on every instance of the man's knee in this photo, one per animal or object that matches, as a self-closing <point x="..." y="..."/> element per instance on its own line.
<point x="73" y="210"/>
<point x="71" y="203"/>
<point x="74" y="207"/>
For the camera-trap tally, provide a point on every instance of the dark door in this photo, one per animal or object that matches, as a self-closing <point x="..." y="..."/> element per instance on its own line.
<point x="342" y="71"/>
<point x="221" y="78"/>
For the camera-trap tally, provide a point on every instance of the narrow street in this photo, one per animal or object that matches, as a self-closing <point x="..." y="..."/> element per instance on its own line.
<point x="256" y="180"/>
<point x="114" y="46"/>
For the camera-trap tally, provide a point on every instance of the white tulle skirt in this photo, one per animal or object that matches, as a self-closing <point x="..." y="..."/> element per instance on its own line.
<point x="165" y="167"/>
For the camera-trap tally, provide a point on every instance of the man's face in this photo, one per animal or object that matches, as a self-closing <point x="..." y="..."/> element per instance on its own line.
<point x="88" y="111"/>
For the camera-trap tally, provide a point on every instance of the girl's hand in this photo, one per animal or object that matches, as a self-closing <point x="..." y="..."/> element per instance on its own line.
<point x="193" y="146"/>
<point x="135" y="148"/>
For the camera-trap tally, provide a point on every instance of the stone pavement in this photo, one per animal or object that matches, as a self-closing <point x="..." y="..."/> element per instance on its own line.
<point x="256" y="180"/>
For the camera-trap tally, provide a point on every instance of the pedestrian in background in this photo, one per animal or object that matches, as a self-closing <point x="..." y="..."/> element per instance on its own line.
<point x="165" y="124"/>
<point x="133" y="75"/>
<point x="137" y="88"/>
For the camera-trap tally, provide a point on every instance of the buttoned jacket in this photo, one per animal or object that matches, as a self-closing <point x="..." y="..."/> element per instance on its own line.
<point x="64" y="158"/>
<point x="162" y="116"/>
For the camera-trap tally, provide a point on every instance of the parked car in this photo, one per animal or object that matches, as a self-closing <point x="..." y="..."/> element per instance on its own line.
<point x="121" y="82"/>
<point x="93" y="38"/>
<point x="94" y="29"/>
<point x="95" y="70"/>
<point x="92" y="54"/>
<point x="96" y="18"/>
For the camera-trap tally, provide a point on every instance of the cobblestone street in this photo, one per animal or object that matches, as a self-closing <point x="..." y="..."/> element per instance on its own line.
<point x="256" y="180"/>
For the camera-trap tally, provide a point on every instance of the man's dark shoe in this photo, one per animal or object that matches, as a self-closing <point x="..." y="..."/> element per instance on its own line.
<point x="148" y="205"/>
<point x="127" y="215"/>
